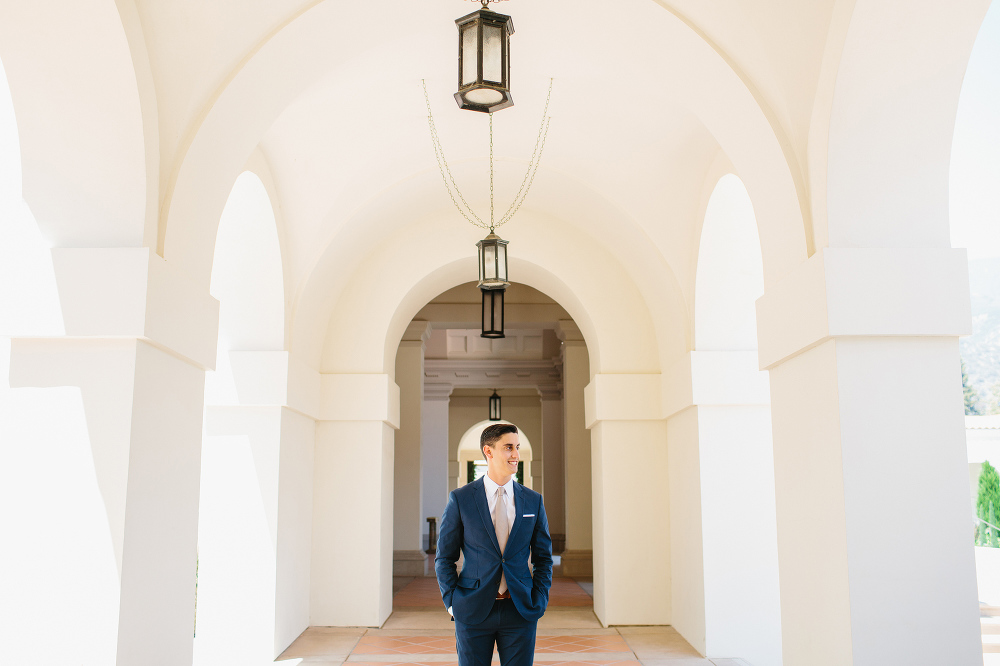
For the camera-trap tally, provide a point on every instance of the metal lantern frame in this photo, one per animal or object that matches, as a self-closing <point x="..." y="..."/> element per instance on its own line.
<point x="492" y="313"/>
<point x="493" y="262"/>
<point x="474" y="30"/>
<point x="495" y="406"/>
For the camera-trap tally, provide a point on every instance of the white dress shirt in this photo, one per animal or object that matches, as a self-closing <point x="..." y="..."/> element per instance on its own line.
<point x="491" y="497"/>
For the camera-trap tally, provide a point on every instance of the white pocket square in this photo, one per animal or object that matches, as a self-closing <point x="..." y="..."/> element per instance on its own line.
<point x="528" y="515"/>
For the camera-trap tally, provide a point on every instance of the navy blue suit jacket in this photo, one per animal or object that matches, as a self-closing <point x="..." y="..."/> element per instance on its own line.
<point x="468" y="527"/>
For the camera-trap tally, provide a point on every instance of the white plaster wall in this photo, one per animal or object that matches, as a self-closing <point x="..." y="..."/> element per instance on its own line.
<point x="408" y="523"/>
<point x="844" y="412"/>
<point x="988" y="575"/>
<point x="742" y="606"/>
<point x="578" y="458"/>
<point x="925" y="444"/>
<point x="161" y="508"/>
<point x="553" y="469"/>
<point x="434" y="458"/>
<point x="351" y="580"/>
<point x="631" y="522"/>
<point x="44" y="461"/>
<point x="809" y="496"/>
<point x="294" y="545"/>
<point x="236" y="569"/>
<point x="687" y="567"/>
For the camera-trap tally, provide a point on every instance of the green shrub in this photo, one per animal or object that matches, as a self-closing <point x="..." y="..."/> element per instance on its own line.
<point x="986" y="500"/>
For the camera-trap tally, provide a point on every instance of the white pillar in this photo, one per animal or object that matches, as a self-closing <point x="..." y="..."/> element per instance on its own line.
<point x="631" y="500"/>
<point x="255" y="528"/>
<point x="554" y="473"/>
<point x="577" y="559"/>
<point x="138" y="339"/>
<point x="434" y="450"/>
<point x="723" y="543"/>
<point x="871" y="479"/>
<point x="408" y="558"/>
<point x="353" y="501"/>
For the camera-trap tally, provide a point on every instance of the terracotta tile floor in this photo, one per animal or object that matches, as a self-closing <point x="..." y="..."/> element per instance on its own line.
<point x="420" y="633"/>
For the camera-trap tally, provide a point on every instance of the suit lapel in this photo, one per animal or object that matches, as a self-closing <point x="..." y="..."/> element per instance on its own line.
<point x="518" y="510"/>
<point x="484" y="513"/>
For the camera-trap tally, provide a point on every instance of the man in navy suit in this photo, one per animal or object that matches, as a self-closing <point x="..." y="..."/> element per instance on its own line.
<point x="497" y="523"/>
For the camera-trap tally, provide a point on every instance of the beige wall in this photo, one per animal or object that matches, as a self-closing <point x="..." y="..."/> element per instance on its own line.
<point x="522" y="407"/>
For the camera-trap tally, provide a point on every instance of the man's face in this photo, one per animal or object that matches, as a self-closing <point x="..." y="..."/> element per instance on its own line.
<point x="504" y="456"/>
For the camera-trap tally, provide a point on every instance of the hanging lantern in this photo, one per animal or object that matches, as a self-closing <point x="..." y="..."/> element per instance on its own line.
<point x="495" y="406"/>
<point x="484" y="61"/>
<point x="492" y="313"/>
<point x="493" y="262"/>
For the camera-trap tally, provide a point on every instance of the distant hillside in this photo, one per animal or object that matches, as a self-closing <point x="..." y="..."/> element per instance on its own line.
<point x="981" y="350"/>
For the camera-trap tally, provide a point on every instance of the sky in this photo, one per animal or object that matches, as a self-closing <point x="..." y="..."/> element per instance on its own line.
<point x="975" y="157"/>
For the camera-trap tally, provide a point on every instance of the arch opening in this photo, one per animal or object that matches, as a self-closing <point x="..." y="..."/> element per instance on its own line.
<point x="240" y="574"/>
<point x="472" y="464"/>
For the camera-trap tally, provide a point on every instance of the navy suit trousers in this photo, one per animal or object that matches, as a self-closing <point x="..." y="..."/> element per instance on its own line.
<point x="504" y="627"/>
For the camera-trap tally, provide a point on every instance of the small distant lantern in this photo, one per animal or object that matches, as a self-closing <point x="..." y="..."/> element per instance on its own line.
<point x="492" y="313"/>
<point x="484" y="61"/>
<point x="495" y="406"/>
<point x="493" y="262"/>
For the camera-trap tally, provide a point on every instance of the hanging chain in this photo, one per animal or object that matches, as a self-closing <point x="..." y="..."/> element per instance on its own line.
<point x="492" y="226"/>
<point x="470" y="216"/>
<point x="529" y="177"/>
<point x="536" y="158"/>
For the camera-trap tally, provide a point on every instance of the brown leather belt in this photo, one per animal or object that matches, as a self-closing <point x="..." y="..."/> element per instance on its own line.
<point x="505" y="595"/>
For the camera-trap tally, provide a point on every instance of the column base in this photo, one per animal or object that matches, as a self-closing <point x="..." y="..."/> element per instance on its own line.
<point x="409" y="562"/>
<point x="578" y="563"/>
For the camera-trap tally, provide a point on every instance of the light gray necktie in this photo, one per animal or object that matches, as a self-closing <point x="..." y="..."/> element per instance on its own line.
<point x="502" y="525"/>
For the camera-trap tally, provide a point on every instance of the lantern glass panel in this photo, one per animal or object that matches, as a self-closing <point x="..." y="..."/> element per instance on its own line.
<point x="492" y="51"/>
<point x="470" y="54"/>
<point x="495" y="407"/>
<point x="502" y="262"/>
<point x="490" y="261"/>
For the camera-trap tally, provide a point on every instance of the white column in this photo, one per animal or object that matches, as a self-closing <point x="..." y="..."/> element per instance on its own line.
<point x="631" y="500"/>
<point x="871" y="480"/>
<point x="353" y="501"/>
<point x="408" y="557"/>
<point x="554" y="473"/>
<point x="434" y="450"/>
<point x="723" y="543"/>
<point x="577" y="559"/>
<point x="255" y="528"/>
<point x="138" y="339"/>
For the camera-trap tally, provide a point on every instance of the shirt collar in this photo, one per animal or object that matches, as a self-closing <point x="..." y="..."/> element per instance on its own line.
<point x="491" y="486"/>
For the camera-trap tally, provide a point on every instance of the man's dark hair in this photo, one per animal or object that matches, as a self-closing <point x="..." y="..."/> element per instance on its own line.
<point x="492" y="434"/>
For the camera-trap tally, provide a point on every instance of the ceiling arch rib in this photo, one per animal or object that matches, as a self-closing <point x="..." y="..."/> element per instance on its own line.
<point x="318" y="44"/>
<point x="354" y="312"/>
<point x="88" y="145"/>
